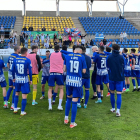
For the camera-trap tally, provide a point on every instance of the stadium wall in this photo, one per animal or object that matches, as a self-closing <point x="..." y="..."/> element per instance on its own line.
<point x="68" y="14"/>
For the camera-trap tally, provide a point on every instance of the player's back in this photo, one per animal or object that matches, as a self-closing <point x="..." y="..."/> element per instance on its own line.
<point x="11" y="60"/>
<point x="137" y="62"/>
<point x="22" y="65"/>
<point x="74" y="64"/>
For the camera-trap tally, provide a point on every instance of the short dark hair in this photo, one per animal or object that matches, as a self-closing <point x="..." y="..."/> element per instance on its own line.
<point x="125" y="50"/>
<point x="84" y="49"/>
<point x="56" y="47"/>
<point x="48" y="51"/>
<point x="16" y="48"/>
<point x="79" y="47"/>
<point x="101" y="48"/>
<point x="74" y="47"/>
<point x="116" y="47"/>
<point x="34" y="47"/>
<point x="24" y="50"/>
<point x="133" y="50"/>
<point x="64" y="48"/>
<point x="108" y="49"/>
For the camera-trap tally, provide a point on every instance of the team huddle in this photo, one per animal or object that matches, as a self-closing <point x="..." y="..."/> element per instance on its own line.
<point x="71" y="69"/>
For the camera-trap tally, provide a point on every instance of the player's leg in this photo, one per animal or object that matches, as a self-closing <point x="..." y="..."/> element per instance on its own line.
<point x="4" y="96"/>
<point x="61" y="94"/>
<point x="23" y="104"/>
<point x="127" y="84"/>
<point x="9" y="91"/>
<point x="87" y="87"/>
<point x="112" y="88"/>
<point x="102" y="89"/>
<point x="51" y="83"/>
<point x="35" y="81"/>
<point x="98" y="83"/>
<point x="68" y="104"/>
<point x="93" y="82"/>
<point x="124" y="86"/>
<point x="16" y="102"/>
<point x="13" y="97"/>
<point x="106" y="81"/>
<point x="60" y="82"/>
<point x="43" y="91"/>
<point x="55" y="93"/>
<point x="134" y="84"/>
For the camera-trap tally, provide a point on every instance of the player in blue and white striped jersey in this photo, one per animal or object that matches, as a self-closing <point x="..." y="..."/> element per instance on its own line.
<point x="74" y="65"/>
<point x="21" y="68"/>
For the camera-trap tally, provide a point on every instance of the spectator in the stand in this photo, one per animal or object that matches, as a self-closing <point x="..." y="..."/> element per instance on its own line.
<point x="48" y="37"/>
<point x="64" y="38"/>
<point x="31" y="38"/>
<point x="66" y="43"/>
<point x="38" y="29"/>
<point x="15" y="33"/>
<point x="53" y="29"/>
<point x="125" y="37"/>
<point x="83" y="42"/>
<point x="24" y="29"/>
<point x="50" y="46"/>
<point x="2" y="37"/>
<point x="60" y="44"/>
<point x="2" y="30"/>
<point x="91" y="42"/>
<point x="101" y="43"/>
<point x="60" y="37"/>
<point x="44" y="29"/>
<point x="31" y="28"/>
<point x="104" y="41"/>
<point x="9" y="46"/>
<point x="26" y="42"/>
<point x="46" y="44"/>
<point x="87" y="45"/>
<point x="11" y="39"/>
<point x="36" y="41"/>
<point x="55" y="37"/>
<point x="75" y="42"/>
<point x="70" y="38"/>
<point x="21" y="38"/>
<point x="38" y="38"/>
<point x="82" y="36"/>
<point x="55" y="42"/>
<point x="121" y="37"/>
<point x="113" y="42"/>
<point x="2" y="45"/>
<point x="14" y="40"/>
<point x="42" y="39"/>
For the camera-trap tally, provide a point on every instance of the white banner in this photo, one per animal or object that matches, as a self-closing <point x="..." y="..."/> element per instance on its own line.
<point x="40" y="51"/>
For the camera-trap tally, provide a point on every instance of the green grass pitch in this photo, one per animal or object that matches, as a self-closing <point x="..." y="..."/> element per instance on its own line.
<point x="94" y="123"/>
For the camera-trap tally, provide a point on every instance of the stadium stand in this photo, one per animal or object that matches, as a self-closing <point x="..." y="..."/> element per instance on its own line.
<point x="107" y="26"/>
<point x="59" y="23"/>
<point x="8" y="22"/>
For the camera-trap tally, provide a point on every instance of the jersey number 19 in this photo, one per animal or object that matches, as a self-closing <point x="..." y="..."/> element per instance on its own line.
<point x="74" y="66"/>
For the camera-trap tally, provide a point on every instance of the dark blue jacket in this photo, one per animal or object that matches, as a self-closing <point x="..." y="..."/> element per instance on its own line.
<point x="115" y="63"/>
<point x="88" y="62"/>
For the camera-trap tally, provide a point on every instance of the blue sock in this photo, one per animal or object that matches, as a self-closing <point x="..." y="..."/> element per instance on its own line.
<point x="23" y="104"/>
<point x="79" y="100"/>
<point x="86" y="96"/>
<point x="8" y="93"/>
<point x="54" y="96"/>
<point x="134" y="83"/>
<point x="73" y="111"/>
<point x="138" y="81"/>
<point x="15" y="101"/>
<point x="43" y="93"/>
<point x="101" y="87"/>
<point x="128" y="85"/>
<point x="52" y="92"/>
<point x="119" y="101"/>
<point x="125" y="86"/>
<point x="99" y="94"/>
<point x="13" y="96"/>
<point x="4" y="98"/>
<point x="68" y="106"/>
<point x="112" y="100"/>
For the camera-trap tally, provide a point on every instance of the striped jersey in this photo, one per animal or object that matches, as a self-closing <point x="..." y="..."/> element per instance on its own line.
<point x="2" y="77"/>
